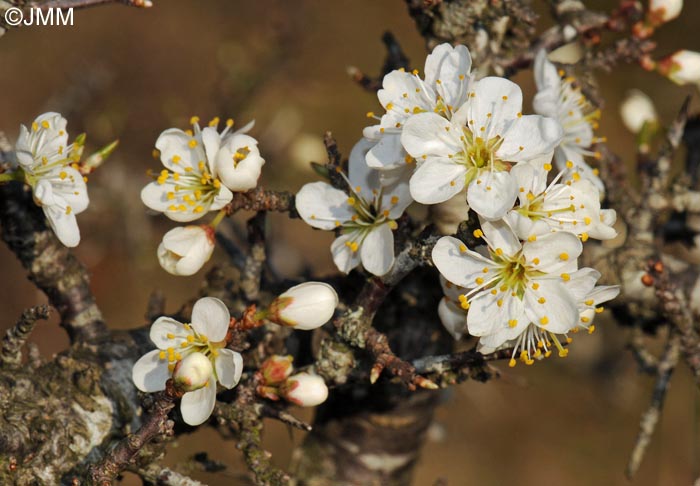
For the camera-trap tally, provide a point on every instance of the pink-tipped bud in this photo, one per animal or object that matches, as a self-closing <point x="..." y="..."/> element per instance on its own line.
<point x="662" y="11"/>
<point x="276" y="369"/>
<point x="304" y="390"/>
<point x="681" y="67"/>
<point x="192" y="372"/>
<point x="305" y="306"/>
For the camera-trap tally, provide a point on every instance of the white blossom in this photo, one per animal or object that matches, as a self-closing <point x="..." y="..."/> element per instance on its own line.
<point x="443" y="91"/>
<point x="305" y="390"/>
<point x="477" y="148"/>
<point x="196" y="161"/>
<point x="175" y="341"/>
<point x="50" y="168"/>
<point x="305" y="306"/>
<point x="365" y="218"/>
<point x="557" y="97"/>
<point x="184" y="250"/>
<point x="636" y="110"/>
<point x="572" y="206"/>
<point x="516" y="293"/>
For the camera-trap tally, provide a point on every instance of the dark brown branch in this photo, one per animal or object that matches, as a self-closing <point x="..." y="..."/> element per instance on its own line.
<point x="154" y="425"/>
<point x="255" y="260"/>
<point x="269" y="411"/>
<point x="647" y="425"/>
<point x="11" y="351"/>
<point x="50" y="265"/>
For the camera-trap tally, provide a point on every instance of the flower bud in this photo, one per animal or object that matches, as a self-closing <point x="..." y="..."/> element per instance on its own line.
<point x="662" y="11"/>
<point x="304" y="390"/>
<point x="636" y="110"/>
<point x="681" y="67"/>
<point x="305" y="306"/>
<point x="192" y="372"/>
<point x="184" y="250"/>
<point x="276" y="369"/>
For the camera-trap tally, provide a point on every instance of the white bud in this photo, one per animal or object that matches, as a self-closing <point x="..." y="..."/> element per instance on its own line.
<point x="305" y="306"/>
<point x="661" y="11"/>
<point x="636" y="110"/>
<point x="305" y="390"/>
<point x="184" y="250"/>
<point x="193" y="372"/>
<point x="682" y="67"/>
<point x="238" y="162"/>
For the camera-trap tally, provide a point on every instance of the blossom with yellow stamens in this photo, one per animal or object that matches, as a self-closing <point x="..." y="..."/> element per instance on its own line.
<point x="175" y="341"/>
<point x="365" y="216"/>
<point x="559" y="98"/>
<point x="48" y="164"/>
<point x="518" y="294"/>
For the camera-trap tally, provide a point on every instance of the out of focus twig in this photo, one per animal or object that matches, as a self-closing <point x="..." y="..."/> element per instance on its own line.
<point x="11" y="351"/>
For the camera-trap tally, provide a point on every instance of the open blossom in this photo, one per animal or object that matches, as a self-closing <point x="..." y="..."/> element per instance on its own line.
<point x="305" y="306"/>
<point x="50" y="168"/>
<point x="443" y="91"/>
<point x="477" y="148"/>
<point x="196" y="162"/>
<point x="572" y="206"/>
<point x="589" y="296"/>
<point x="517" y="293"/>
<point x="175" y="341"/>
<point x="558" y="98"/>
<point x="184" y="250"/>
<point x="365" y="217"/>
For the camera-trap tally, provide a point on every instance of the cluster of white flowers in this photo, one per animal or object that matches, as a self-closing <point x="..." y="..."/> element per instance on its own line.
<point x="449" y="135"/>
<point x="202" y="168"/>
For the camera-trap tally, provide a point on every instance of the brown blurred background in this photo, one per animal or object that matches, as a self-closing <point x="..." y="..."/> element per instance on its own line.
<point x="129" y="74"/>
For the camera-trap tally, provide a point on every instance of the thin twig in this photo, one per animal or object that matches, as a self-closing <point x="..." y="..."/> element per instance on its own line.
<point x="155" y="424"/>
<point x="649" y="420"/>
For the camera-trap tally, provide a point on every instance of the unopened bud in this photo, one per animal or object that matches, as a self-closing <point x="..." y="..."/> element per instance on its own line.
<point x="276" y="369"/>
<point x="305" y="390"/>
<point x="305" y="306"/>
<point x="184" y="250"/>
<point x="192" y="372"/>
<point x="95" y="160"/>
<point x="636" y="110"/>
<point x="681" y="67"/>
<point x="662" y="11"/>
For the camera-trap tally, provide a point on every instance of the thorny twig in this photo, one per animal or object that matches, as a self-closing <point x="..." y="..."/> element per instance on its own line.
<point x="647" y="425"/>
<point x="155" y="424"/>
<point x="11" y="351"/>
<point x="259" y="199"/>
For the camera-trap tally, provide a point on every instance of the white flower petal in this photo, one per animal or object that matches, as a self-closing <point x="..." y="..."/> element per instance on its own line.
<point x="211" y="317"/>
<point x="451" y="66"/>
<point x="496" y="103"/>
<point x="196" y="406"/>
<point x="388" y="153"/>
<point x="437" y="180"/>
<point x="551" y="307"/>
<point x="377" y="251"/>
<point x="453" y="318"/>
<point x="529" y="137"/>
<point x="553" y="253"/>
<point x="212" y="142"/>
<point x="546" y="75"/>
<point x="164" y="326"/>
<point x="229" y="367"/>
<point x="343" y="256"/>
<point x="322" y="206"/>
<point x="431" y="134"/>
<point x="492" y="194"/>
<point x="457" y="263"/>
<point x="500" y="235"/>
<point x="175" y="152"/>
<point x="150" y="372"/>
<point x="65" y="226"/>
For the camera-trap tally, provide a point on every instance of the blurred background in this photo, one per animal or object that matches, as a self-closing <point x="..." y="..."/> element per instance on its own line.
<point x="129" y="74"/>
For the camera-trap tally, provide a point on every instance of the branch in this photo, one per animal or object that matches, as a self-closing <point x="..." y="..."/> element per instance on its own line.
<point x="163" y="476"/>
<point x="259" y="199"/>
<point x="255" y="260"/>
<point x="155" y="424"/>
<point x="395" y="59"/>
<point x="647" y="425"/>
<point x="51" y="266"/>
<point x="50" y="4"/>
<point x="11" y="351"/>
